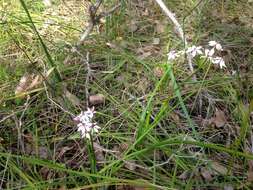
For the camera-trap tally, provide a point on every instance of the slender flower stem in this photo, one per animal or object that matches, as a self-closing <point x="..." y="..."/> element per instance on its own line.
<point x="92" y="157"/>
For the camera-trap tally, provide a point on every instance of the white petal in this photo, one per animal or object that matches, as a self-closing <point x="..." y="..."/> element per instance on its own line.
<point x="212" y="43"/>
<point x="218" y="47"/>
<point x="172" y="55"/>
<point x="222" y="64"/>
<point x="220" y="61"/>
<point x="211" y="52"/>
<point x="199" y="47"/>
<point x="199" y="52"/>
<point x="195" y="53"/>
<point x="190" y="49"/>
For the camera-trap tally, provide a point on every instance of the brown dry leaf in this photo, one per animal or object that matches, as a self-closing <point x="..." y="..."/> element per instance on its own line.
<point x="97" y="99"/>
<point x="161" y="26"/>
<point x="72" y="98"/>
<point x="158" y="71"/>
<point x="120" y="149"/>
<point x="206" y="174"/>
<point x="130" y="165"/>
<point x="219" y="119"/>
<point x="142" y="85"/>
<point x="250" y="176"/>
<point x="228" y="187"/>
<point x="44" y="173"/>
<point x="219" y="168"/>
<point x="146" y="51"/>
<point x="43" y="152"/>
<point x="185" y="175"/>
<point x="144" y="55"/>
<point x="40" y="151"/>
<point x="133" y="27"/>
<point x="123" y="147"/>
<point x="98" y="152"/>
<point x="62" y="151"/>
<point x="175" y="117"/>
<point x="27" y="82"/>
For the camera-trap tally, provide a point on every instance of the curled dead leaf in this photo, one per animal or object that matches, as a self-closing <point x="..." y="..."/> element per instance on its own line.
<point x="30" y="81"/>
<point x="219" y="168"/>
<point x="97" y="99"/>
<point x="206" y="174"/>
<point x="130" y="165"/>
<point x="142" y="85"/>
<point x="228" y="187"/>
<point x="147" y="50"/>
<point x="185" y="175"/>
<point x="27" y="82"/>
<point x="100" y="157"/>
<point x="133" y="27"/>
<point x="160" y="26"/>
<point x="72" y="98"/>
<point x="219" y="119"/>
<point x="158" y="72"/>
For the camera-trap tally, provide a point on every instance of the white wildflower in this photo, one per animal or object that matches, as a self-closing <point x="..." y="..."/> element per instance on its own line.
<point x="209" y="53"/>
<point x="220" y="61"/>
<point x="233" y="72"/>
<point x="85" y="125"/>
<point x="172" y="55"/>
<point x="194" y="50"/>
<point x="215" y="44"/>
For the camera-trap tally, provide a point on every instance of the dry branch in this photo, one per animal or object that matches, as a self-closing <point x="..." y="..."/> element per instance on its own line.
<point x="95" y="19"/>
<point x="179" y="30"/>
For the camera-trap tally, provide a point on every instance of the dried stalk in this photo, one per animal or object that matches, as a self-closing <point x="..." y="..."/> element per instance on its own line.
<point x="179" y="30"/>
<point x="87" y="79"/>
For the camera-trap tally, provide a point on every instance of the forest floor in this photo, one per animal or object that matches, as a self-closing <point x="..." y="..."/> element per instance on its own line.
<point x="160" y="128"/>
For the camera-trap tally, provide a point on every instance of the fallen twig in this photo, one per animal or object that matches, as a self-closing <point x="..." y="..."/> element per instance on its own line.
<point x="88" y="75"/>
<point x="95" y="19"/>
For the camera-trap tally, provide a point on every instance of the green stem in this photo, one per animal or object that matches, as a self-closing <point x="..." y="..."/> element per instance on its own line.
<point x="92" y="157"/>
<point x="50" y="60"/>
<point x="181" y="102"/>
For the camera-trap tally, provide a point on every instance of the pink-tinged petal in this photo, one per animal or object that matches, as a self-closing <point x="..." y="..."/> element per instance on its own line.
<point x="172" y="55"/>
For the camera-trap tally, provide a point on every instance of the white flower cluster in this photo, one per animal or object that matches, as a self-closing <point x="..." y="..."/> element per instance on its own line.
<point x="85" y="125"/>
<point x="194" y="51"/>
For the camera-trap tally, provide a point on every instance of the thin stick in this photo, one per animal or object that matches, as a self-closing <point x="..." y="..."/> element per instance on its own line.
<point x="179" y="29"/>
<point x="55" y="103"/>
<point x="87" y="79"/>
<point x="86" y="33"/>
<point x="95" y="19"/>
